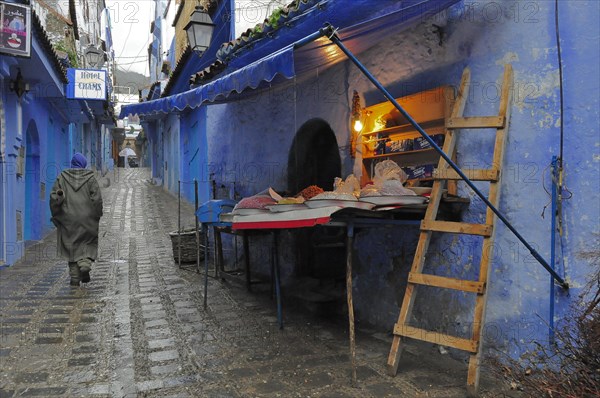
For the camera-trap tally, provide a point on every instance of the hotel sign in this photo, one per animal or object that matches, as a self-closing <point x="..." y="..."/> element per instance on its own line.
<point x="87" y="84"/>
<point x="15" y="29"/>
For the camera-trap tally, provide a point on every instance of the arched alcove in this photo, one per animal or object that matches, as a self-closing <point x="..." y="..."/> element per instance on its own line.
<point x="314" y="157"/>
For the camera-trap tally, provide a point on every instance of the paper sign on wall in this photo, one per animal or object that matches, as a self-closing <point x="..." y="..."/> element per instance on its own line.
<point x="15" y="29"/>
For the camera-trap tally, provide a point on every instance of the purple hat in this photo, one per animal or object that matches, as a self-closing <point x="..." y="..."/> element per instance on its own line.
<point x="78" y="161"/>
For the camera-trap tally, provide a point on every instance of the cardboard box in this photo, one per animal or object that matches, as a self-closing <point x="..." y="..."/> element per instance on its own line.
<point x="422" y="143"/>
<point x="399" y="146"/>
<point x="416" y="172"/>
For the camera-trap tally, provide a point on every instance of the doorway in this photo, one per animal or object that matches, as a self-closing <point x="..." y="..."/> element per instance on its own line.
<point x="32" y="224"/>
<point x="314" y="159"/>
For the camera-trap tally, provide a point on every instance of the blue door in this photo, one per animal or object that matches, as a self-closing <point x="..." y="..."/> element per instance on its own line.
<point x="33" y="221"/>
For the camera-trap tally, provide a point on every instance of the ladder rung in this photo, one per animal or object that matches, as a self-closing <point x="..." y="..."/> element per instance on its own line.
<point x="447" y="283"/>
<point x="473" y="174"/>
<point x="477" y="122"/>
<point x="435" y="338"/>
<point x="457" y="227"/>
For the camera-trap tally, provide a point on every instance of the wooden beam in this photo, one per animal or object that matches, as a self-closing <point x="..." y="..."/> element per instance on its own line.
<point x="476" y="122"/>
<point x="436" y="338"/>
<point x="447" y="283"/>
<point x="456" y="227"/>
<point x="473" y="174"/>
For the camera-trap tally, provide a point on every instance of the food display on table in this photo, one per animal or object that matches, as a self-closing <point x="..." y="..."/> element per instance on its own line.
<point x="291" y="201"/>
<point x="334" y="195"/>
<point x="279" y="208"/>
<point x="386" y="191"/>
<point x="344" y="195"/>
<point x="285" y="203"/>
<point x="254" y="204"/>
<point x="310" y="192"/>
<point x="391" y="200"/>
<point x="343" y="203"/>
<point x="388" y="181"/>
<point x="343" y="191"/>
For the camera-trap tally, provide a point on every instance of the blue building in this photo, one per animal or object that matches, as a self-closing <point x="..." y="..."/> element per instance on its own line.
<point x="41" y="129"/>
<point x="236" y="123"/>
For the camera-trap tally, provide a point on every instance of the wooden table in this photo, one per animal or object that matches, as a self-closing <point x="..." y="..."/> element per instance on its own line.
<point x="350" y="219"/>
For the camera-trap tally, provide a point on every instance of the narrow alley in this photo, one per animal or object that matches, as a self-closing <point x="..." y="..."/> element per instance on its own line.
<point x="139" y="328"/>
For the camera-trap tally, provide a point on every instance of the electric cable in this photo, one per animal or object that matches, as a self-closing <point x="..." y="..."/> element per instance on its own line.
<point x="561" y="185"/>
<point x="142" y="48"/>
<point x="546" y="189"/>
<point x="131" y="63"/>
<point x="137" y="56"/>
<point x="560" y="79"/>
<point x="125" y="41"/>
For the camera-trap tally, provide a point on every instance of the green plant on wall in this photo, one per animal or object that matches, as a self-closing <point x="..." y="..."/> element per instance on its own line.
<point x="61" y="46"/>
<point x="274" y="17"/>
<point x="257" y="31"/>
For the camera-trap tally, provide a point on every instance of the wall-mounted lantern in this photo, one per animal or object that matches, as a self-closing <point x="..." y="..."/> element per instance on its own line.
<point x="19" y="86"/>
<point x="199" y="30"/>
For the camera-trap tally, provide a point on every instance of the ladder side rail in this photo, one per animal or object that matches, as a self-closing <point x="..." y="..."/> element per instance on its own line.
<point x="425" y="236"/>
<point x="473" y="372"/>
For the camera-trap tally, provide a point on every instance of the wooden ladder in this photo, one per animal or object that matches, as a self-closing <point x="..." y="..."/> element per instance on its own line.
<point x="429" y="225"/>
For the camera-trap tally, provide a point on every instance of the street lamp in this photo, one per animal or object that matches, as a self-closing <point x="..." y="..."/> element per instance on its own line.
<point x="199" y="30"/>
<point x="94" y="57"/>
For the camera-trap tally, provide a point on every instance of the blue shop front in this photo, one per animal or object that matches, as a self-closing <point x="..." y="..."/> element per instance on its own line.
<point x="238" y="121"/>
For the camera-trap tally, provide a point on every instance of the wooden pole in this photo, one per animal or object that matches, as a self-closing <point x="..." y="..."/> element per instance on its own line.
<point x="349" y="241"/>
<point x="179" y="223"/>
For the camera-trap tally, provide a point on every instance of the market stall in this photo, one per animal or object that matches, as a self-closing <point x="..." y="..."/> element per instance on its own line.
<point x="384" y="202"/>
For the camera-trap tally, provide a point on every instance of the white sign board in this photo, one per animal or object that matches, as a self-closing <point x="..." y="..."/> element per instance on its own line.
<point x="86" y="84"/>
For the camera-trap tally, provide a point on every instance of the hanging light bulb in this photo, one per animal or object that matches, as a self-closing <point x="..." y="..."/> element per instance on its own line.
<point x="358" y="125"/>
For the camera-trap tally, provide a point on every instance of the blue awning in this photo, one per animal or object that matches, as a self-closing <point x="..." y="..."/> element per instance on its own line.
<point x="288" y="62"/>
<point x="250" y="76"/>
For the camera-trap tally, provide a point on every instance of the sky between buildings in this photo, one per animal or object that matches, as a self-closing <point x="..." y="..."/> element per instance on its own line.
<point x="131" y="26"/>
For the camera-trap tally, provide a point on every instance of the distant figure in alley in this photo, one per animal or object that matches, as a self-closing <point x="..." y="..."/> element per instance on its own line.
<point x="76" y="207"/>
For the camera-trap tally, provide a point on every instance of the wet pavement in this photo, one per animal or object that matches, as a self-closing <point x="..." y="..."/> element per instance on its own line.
<point x="139" y="328"/>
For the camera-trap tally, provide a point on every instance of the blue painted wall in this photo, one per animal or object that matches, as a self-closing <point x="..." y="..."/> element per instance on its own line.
<point x="256" y="134"/>
<point x="247" y="142"/>
<point x="45" y="140"/>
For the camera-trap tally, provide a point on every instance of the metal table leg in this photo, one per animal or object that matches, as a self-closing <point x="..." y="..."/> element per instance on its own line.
<point x="247" y="260"/>
<point x="349" y="242"/>
<point x="219" y="262"/>
<point x="275" y="262"/>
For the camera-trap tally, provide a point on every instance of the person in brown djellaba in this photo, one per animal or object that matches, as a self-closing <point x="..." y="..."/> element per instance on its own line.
<point x="76" y="207"/>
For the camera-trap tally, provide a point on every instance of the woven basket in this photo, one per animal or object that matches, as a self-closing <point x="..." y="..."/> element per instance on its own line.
<point x="188" y="245"/>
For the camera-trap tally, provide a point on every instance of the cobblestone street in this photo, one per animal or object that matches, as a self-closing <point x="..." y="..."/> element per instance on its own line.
<point x="139" y="328"/>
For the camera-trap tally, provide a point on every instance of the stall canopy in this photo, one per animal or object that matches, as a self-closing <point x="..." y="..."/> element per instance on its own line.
<point x="281" y="57"/>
